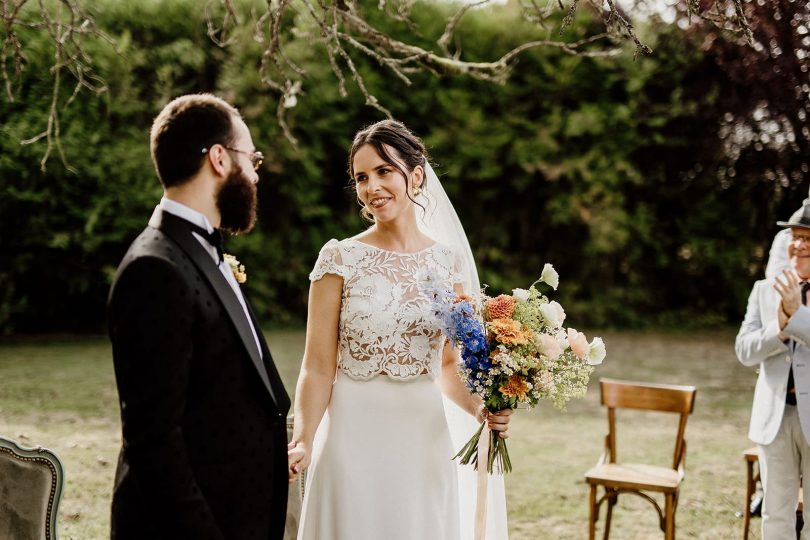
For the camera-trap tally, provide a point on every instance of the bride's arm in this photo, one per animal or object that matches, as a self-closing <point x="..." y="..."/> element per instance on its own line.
<point x="453" y="387"/>
<point x="314" y="388"/>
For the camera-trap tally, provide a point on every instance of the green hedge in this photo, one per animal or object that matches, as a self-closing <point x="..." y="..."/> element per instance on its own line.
<point x="606" y="168"/>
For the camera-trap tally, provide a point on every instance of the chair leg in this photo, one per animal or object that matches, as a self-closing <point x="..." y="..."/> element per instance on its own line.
<point x="592" y="514"/>
<point x="669" y="516"/>
<point x="749" y="491"/>
<point x="612" y="497"/>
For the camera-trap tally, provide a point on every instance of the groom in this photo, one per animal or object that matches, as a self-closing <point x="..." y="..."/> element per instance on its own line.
<point x="203" y="409"/>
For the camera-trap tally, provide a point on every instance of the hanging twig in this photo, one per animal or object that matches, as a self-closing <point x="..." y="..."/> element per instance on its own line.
<point x="344" y="30"/>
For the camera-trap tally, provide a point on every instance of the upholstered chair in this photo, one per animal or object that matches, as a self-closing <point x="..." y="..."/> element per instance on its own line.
<point x="31" y="481"/>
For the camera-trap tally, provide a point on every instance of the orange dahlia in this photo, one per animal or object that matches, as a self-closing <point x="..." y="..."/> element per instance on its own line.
<point x="501" y="307"/>
<point x="508" y="332"/>
<point x="515" y="387"/>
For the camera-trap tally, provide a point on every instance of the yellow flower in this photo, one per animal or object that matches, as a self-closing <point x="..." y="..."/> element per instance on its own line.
<point x="516" y="387"/>
<point x="508" y="332"/>
<point x="237" y="268"/>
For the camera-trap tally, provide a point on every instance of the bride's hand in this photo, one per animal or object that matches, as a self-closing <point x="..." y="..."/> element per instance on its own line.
<point x="297" y="460"/>
<point x="498" y="421"/>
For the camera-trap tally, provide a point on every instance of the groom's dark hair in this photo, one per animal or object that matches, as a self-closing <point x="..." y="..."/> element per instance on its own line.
<point x="184" y="130"/>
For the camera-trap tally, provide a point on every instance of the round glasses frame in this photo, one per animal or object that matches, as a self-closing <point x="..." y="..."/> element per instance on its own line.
<point x="797" y="240"/>
<point x="256" y="158"/>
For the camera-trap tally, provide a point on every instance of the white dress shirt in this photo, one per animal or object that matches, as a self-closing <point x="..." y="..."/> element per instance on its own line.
<point x="184" y="212"/>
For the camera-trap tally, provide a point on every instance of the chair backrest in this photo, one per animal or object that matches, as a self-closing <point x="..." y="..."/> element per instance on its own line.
<point x="647" y="397"/>
<point x="31" y="481"/>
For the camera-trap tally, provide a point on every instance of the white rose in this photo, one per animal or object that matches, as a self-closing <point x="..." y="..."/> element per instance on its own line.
<point x="553" y="313"/>
<point x="550" y="276"/>
<point x="520" y="295"/>
<point x="597" y="352"/>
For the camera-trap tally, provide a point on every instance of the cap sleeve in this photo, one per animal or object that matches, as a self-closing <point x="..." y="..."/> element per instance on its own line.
<point x="330" y="261"/>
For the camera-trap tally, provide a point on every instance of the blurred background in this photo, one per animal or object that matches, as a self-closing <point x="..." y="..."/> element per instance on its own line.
<point x="651" y="181"/>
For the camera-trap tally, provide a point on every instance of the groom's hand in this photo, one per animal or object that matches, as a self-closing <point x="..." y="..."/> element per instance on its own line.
<point x="297" y="460"/>
<point x="499" y="422"/>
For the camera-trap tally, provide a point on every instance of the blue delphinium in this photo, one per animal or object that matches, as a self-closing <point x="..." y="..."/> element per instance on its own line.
<point x="457" y="320"/>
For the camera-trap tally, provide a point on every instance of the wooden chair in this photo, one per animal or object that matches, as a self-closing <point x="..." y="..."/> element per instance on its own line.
<point x="751" y="457"/>
<point x="616" y="478"/>
<point x="31" y="481"/>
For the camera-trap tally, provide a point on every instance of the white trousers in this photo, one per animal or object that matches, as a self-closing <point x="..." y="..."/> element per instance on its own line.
<point x="781" y="464"/>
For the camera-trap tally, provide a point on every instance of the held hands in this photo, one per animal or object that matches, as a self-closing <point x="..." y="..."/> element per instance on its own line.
<point x="297" y="460"/>
<point x="498" y="421"/>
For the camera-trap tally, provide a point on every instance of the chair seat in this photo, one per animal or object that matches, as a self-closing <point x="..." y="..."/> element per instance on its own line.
<point x="634" y="476"/>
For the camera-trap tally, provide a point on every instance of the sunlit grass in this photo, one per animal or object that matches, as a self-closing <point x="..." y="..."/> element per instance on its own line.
<point x="60" y="393"/>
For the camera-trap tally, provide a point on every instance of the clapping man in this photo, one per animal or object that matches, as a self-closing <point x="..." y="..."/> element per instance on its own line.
<point x="775" y="336"/>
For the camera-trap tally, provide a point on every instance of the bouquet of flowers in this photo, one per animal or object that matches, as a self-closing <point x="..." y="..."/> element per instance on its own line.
<point x="515" y="352"/>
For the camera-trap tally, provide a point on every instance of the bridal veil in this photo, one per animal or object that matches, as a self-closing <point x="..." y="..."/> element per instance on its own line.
<point x="442" y="224"/>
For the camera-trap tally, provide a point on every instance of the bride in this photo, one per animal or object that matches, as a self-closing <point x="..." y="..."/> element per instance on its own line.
<point x="370" y="419"/>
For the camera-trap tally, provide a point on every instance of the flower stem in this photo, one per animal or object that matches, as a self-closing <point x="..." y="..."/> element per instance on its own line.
<point x="469" y="453"/>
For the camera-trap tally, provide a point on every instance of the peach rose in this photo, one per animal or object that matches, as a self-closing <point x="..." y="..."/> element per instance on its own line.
<point x="578" y="343"/>
<point x="549" y="346"/>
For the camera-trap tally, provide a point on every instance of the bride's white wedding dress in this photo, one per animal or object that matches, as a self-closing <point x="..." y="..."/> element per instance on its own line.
<point x="381" y="467"/>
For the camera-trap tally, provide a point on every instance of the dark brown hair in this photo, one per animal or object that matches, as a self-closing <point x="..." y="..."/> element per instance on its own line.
<point x="186" y="127"/>
<point x="409" y="149"/>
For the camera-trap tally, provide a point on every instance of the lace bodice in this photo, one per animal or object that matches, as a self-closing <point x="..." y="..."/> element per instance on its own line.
<point x="386" y="326"/>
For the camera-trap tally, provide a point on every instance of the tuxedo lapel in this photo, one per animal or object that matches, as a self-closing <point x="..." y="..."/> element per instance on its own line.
<point x="176" y="229"/>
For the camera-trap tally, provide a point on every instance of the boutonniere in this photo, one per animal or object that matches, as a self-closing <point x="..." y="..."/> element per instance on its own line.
<point x="237" y="268"/>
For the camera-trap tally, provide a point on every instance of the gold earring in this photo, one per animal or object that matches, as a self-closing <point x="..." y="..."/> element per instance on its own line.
<point x="416" y="191"/>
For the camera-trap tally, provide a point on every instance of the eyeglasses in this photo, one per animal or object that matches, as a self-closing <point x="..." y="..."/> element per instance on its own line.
<point x="797" y="240"/>
<point x="256" y="158"/>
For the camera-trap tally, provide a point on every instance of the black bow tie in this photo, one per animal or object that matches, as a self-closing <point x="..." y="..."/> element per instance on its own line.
<point x="213" y="238"/>
<point x="805" y="287"/>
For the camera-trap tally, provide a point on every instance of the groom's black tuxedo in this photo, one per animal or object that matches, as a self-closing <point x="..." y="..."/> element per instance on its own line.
<point x="204" y="452"/>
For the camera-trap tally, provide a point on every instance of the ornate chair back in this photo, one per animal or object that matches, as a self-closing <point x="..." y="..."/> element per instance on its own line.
<point x="31" y="481"/>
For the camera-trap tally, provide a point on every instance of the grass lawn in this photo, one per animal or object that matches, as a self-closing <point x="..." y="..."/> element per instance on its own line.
<point x="60" y="393"/>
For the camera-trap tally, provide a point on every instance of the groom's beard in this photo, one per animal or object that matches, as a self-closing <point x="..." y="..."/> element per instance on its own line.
<point x="236" y="202"/>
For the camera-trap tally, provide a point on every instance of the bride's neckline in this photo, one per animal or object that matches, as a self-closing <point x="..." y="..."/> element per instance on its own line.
<point x="431" y="246"/>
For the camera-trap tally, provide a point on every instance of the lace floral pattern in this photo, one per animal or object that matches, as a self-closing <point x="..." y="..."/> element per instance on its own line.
<point x="386" y="326"/>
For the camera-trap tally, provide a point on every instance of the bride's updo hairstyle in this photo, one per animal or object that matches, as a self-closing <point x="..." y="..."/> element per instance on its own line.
<point x="408" y="150"/>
